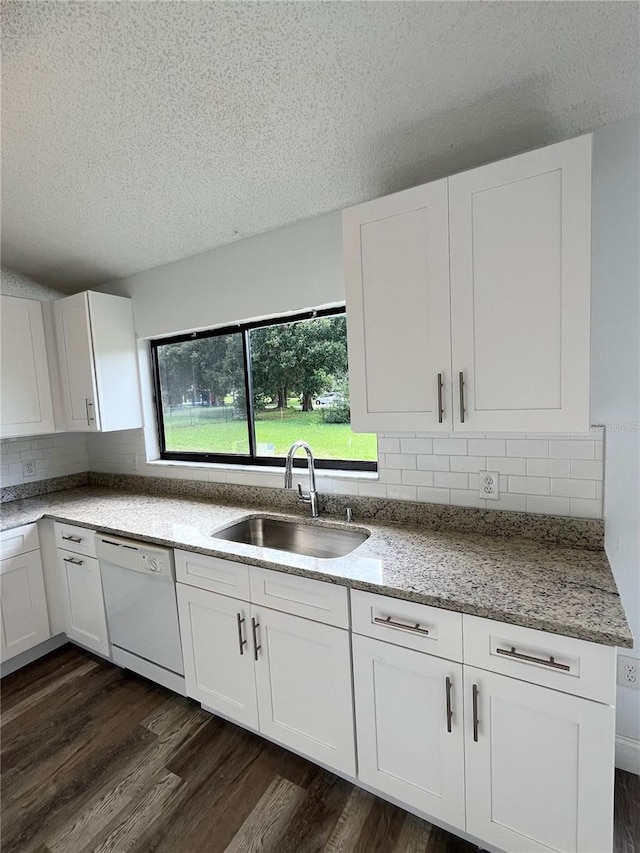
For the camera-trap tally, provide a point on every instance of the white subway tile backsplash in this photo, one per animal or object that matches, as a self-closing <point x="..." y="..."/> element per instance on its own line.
<point x="468" y="463"/>
<point x="548" y="467"/>
<point x="574" y="488"/>
<point x="402" y="493"/>
<point x="448" y="480"/>
<point x="416" y="445"/>
<point x="392" y="475"/>
<point x="572" y="449"/>
<point x="507" y="501"/>
<point x="580" y="508"/>
<point x="487" y="447"/>
<point x="369" y="489"/>
<point x="433" y="463"/>
<point x="54" y="456"/>
<point x="506" y="465"/>
<point x="527" y="447"/>
<point x="529" y="485"/>
<point x="545" y="505"/>
<point x="430" y="467"/>
<point x="388" y="445"/>
<point x="434" y="496"/>
<point x="462" y="497"/>
<point x="585" y="469"/>
<point x="450" y="446"/>
<point x="418" y="478"/>
<point x="400" y="460"/>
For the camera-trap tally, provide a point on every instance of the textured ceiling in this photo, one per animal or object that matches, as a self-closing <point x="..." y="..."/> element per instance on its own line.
<point x="136" y="133"/>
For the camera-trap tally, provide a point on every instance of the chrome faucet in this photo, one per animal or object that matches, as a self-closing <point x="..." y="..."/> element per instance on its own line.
<point x="310" y="497"/>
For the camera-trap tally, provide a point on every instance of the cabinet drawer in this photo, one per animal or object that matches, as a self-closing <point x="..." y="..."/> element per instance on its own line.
<point x="405" y="623"/>
<point x="213" y="573"/>
<point x="551" y="660"/>
<point x="20" y="540"/>
<point x="317" y="600"/>
<point x="80" y="540"/>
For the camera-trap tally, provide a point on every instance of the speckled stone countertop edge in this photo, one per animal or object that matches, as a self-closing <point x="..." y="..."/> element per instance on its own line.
<point x="388" y="566"/>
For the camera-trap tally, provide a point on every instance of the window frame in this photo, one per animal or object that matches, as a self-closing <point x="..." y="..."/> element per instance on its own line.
<point x="250" y="459"/>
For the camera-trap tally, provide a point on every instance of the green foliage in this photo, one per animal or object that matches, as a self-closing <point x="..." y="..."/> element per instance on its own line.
<point x="304" y="358"/>
<point x="336" y="415"/>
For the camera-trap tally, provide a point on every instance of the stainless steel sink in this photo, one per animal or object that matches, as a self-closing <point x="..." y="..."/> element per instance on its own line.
<point x="305" y="539"/>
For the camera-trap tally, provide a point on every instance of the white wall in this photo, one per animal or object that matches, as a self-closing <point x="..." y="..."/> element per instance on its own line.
<point x="289" y="269"/>
<point x="616" y="370"/>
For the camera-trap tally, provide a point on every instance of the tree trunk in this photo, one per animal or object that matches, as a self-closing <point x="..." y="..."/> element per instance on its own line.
<point x="307" y="403"/>
<point x="282" y="398"/>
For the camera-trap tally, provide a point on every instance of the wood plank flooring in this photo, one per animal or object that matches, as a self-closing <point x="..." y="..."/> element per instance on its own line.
<point x="96" y="759"/>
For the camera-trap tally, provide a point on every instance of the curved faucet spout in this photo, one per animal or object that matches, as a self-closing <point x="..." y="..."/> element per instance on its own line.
<point x="310" y="497"/>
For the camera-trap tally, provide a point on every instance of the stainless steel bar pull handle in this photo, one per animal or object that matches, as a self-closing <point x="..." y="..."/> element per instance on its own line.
<point x="241" y="643"/>
<point x="389" y="621"/>
<point x="461" y="388"/>
<point x="449" y="710"/>
<point x="76" y="539"/>
<point x="512" y="653"/>
<point x="440" y="407"/>
<point x="474" y="694"/>
<point x="256" y="647"/>
<point x="74" y="561"/>
<point x="87" y="403"/>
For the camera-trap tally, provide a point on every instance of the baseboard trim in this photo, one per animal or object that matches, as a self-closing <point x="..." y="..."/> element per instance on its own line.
<point x="13" y="664"/>
<point x="628" y="754"/>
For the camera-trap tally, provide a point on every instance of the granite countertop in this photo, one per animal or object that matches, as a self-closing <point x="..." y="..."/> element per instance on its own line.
<point x="563" y="590"/>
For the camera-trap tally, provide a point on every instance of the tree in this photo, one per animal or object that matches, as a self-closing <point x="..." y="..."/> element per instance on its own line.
<point x="204" y="369"/>
<point x="304" y="357"/>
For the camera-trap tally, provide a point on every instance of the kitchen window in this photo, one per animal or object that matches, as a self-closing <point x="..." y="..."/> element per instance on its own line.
<point x="244" y="394"/>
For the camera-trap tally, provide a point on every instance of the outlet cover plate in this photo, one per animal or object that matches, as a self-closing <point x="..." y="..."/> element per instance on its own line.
<point x="489" y="485"/>
<point x="28" y="467"/>
<point x="629" y="672"/>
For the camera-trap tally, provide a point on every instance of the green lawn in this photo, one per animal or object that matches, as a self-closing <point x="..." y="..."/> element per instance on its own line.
<point x="214" y="430"/>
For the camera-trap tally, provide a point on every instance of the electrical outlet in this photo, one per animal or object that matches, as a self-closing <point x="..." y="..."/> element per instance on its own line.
<point x="28" y="467"/>
<point x="629" y="672"/>
<point x="134" y="461"/>
<point x="489" y="485"/>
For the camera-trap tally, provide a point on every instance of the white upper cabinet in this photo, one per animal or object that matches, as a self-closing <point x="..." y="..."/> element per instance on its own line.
<point x="468" y="299"/>
<point x="26" y="407"/>
<point x="520" y="290"/>
<point x="397" y="280"/>
<point x="98" y="362"/>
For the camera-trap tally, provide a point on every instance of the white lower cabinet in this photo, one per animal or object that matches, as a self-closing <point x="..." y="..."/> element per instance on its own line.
<point x="218" y="659"/>
<point x="279" y="673"/>
<point x="303" y="680"/>
<point x="83" y="601"/>
<point x="410" y="727"/>
<point x="23" y="605"/>
<point x="539" y="766"/>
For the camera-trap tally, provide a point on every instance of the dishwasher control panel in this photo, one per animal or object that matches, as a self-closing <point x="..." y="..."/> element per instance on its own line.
<point x="154" y="563"/>
<point x="135" y="556"/>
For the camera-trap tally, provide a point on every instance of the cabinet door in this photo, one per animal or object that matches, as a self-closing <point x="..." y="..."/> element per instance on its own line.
<point x="83" y="601"/>
<point x="540" y="773"/>
<point x="218" y="659"/>
<point x="26" y="407"/>
<point x="520" y="291"/>
<point x="23" y="606"/>
<point x="397" y="285"/>
<point x="303" y="679"/>
<point x="409" y="726"/>
<point x="75" y="354"/>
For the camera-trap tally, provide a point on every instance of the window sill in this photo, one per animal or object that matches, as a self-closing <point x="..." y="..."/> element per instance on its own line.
<point x="321" y="473"/>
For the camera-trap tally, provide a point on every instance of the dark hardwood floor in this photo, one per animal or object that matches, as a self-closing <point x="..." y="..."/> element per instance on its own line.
<point x="95" y="759"/>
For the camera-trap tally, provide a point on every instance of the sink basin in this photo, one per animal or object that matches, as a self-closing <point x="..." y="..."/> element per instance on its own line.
<point x="305" y="539"/>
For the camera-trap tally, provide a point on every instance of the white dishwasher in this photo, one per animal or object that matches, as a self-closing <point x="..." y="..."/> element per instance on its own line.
<point x="139" y="587"/>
